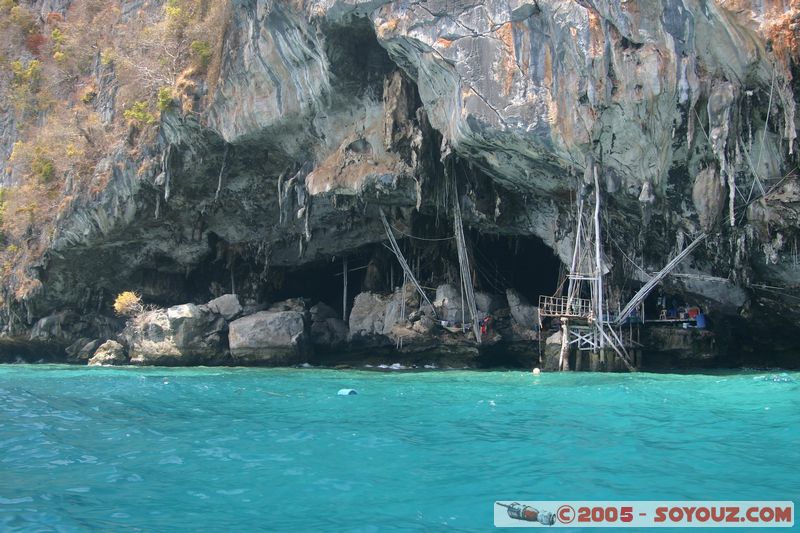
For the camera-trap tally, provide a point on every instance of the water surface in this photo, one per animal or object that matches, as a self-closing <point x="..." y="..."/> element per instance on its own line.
<point x="154" y="449"/>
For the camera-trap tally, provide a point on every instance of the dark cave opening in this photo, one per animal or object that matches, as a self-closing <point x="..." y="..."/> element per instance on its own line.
<point x="524" y="263"/>
<point x="498" y="262"/>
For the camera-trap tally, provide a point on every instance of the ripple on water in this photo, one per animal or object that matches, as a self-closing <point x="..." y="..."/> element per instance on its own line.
<point x="229" y="449"/>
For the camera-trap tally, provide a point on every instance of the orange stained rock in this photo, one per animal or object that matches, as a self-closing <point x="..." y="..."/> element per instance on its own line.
<point x="441" y="41"/>
<point x="547" y="78"/>
<point x="509" y="62"/>
<point x="385" y="28"/>
<point x="596" y="38"/>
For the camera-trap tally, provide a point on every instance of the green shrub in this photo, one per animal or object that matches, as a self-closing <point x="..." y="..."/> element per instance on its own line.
<point x="42" y="167"/>
<point x="26" y="75"/>
<point x="140" y="113"/>
<point x="89" y="96"/>
<point x="165" y="99"/>
<point x="57" y="36"/>
<point x="107" y="57"/>
<point x="23" y="19"/>
<point x="202" y="52"/>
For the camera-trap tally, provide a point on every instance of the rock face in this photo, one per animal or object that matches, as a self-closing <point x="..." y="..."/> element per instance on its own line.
<point x="449" y="303"/>
<point x="269" y="337"/>
<point x="226" y="306"/>
<point x="367" y="315"/>
<point x="525" y="314"/>
<point x="108" y="354"/>
<point x="181" y="335"/>
<point x="328" y="332"/>
<point x="323" y="114"/>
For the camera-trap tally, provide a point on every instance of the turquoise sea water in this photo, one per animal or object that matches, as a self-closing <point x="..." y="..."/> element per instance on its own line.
<point x="96" y="449"/>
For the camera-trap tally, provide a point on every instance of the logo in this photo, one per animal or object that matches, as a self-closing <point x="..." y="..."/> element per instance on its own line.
<point x="618" y="514"/>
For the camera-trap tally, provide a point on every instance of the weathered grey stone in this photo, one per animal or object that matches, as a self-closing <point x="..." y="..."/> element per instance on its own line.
<point x="109" y="353"/>
<point x="226" y="305"/>
<point x="269" y="337"/>
<point x="708" y="197"/>
<point x="297" y="305"/>
<point x="367" y="315"/>
<point x="322" y="311"/>
<point x="181" y="335"/>
<point x="519" y="91"/>
<point x="329" y="333"/>
<point x="52" y="328"/>
<point x="525" y="314"/>
<point x="397" y="311"/>
<point x="448" y="303"/>
<point x="552" y="352"/>
<point x="425" y="325"/>
<point x="85" y="350"/>
<point x="488" y="303"/>
<point x="76" y="346"/>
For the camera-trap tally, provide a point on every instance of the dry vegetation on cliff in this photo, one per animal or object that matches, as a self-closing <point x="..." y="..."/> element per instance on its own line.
<point x="81" y="86"/>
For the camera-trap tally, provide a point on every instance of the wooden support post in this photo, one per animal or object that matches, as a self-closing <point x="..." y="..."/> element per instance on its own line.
<point x="594" y="362"/>
<point x="563" y="358"/>
<point x="344" y="289"/>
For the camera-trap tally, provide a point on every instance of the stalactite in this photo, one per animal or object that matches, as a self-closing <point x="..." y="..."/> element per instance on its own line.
<point x="167" y="169"/>
<point x="221" y="172"/>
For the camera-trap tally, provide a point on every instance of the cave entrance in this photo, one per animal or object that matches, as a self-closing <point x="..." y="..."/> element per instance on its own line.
<point x="321" y="281"/>
<point x="524" y="263"/>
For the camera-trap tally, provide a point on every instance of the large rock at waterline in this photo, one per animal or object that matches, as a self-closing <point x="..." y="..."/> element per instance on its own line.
<point x="552" y="352"/>
<point x="329" y="333"/>
<point x="82" y="350"/>
<point x="402" y="303"/>
<point x="327" y="329"/>
<point x="367" y="315"/>
<point x="275" y="337"/>
<point x="449" y="303"/>
<point x="524" y="314"/>
<point x="181" y="335"/>
<point x="227" y="306"/>
<point x="108" y="354"/>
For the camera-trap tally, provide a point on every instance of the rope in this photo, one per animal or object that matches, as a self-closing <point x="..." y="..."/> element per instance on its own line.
<point x="400" y="259"/>
<point x="650" y="285"/>
<point x="463" y="261"/>
<point x="427" y="239"/>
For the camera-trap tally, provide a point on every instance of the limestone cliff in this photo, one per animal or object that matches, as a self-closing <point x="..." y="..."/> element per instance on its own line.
<point x="264" y="169"/>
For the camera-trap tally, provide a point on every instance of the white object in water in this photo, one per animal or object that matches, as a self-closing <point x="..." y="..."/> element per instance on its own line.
<point x="347" y="392"/>
<point x="536" y="371"/>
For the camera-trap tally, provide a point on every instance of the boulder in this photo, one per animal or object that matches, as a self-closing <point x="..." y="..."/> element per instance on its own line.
<point x="523" y="313"/>
<point x="181" y="335"/>
<point x="227" y="306"/>
<point x="322" y="311"/>
<point x="54" y="328"/>
<point x="271" y="337"/>
<point x="488" y="303"/>
<point x="327" y="329"/>
<point x="552" y="352"/>
<point x="82" y="350"/>
<point x="424" y="326"/>
<point x="67" y="328"/>
<point x="367" y="315"/>
<point x="108" y="354"/>
<point x="297" y="305"/>
<point x="329" y="332"/>
<point x="396" y="312"/>
<point x="448" y="302"/>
